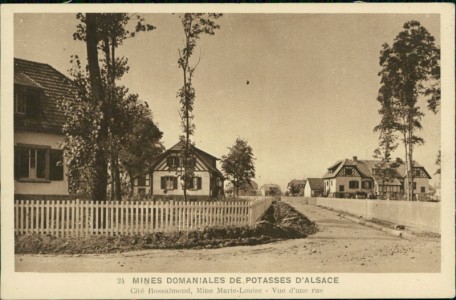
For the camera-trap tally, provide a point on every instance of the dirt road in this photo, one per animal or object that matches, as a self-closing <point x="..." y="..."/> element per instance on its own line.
<point x="340" y="246"/>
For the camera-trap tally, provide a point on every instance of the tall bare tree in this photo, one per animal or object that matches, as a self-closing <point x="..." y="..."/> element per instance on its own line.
<point x="195" y="25"/>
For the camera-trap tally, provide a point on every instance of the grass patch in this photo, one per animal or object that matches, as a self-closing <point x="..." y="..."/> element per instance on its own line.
<point x="280" y="222"/>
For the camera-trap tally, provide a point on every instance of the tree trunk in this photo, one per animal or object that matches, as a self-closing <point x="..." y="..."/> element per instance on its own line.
<point x="117" y="182"/>
<point x="132" y="183"/>
<point x="101" y="180"/>
<point x="410" y="161"/>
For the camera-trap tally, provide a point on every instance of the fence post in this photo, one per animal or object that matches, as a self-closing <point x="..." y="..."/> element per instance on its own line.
<point x="251" y="213"/>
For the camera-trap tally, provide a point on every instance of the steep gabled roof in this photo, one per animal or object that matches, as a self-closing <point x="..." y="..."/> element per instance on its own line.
<point x="402" y="170"/>
<point x="365" y="168"/>
<point x="316" y="184"/>
<point x="205" y="158"/>
<point x="180" y="146"/>
<point x="52" y="85"/>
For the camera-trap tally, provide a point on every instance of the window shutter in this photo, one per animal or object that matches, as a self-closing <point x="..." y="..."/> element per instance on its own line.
<point x="199" y="183"/>
<point x="163" y="183"/>
<point x="169" y="161"/>
<point x="16" y="162"/>
<point x="23" y="162"/>
<point x="56" y="164"/>
<point x="175" y="183"/>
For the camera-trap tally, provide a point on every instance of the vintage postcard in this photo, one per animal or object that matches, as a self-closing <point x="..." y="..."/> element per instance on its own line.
<point x="227" y="151"/>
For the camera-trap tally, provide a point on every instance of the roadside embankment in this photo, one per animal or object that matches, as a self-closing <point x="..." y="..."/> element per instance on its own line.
<point x="280" y="222"/>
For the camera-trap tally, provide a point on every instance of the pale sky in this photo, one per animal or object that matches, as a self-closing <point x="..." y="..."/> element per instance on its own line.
<point x="313" y="85"/>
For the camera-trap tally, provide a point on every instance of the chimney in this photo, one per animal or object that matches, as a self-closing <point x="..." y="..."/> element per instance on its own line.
<point x="355" y="158"/>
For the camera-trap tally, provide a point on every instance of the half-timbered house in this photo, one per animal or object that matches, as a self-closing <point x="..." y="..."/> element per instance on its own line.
<point x="164" y="177"/>
<point x="350" y="177"/>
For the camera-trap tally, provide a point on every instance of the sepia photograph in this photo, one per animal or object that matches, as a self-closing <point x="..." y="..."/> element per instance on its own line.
<point x="210" y="152"/>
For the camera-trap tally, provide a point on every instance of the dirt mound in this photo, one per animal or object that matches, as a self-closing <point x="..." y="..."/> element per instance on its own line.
<point x="280" y="222"/>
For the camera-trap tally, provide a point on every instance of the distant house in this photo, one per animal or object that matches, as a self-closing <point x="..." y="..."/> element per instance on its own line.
<point x="164" y="176"/>
<point x="247" y="190"/>
<point x="299" y="184"/>
<point x="314" y="187"/>
<point x="351" y="176"/>
<point x="39" y="170"/>
<point x="270" y="189"/>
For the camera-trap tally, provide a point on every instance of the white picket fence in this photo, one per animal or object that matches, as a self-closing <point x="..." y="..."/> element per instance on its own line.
<point x="87" y="217"/>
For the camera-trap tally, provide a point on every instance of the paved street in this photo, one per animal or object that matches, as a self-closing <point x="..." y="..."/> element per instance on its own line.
<point x="340" y="246"/>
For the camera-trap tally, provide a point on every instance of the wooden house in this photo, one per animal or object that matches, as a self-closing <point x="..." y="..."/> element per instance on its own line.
<point x="164" y="177"/>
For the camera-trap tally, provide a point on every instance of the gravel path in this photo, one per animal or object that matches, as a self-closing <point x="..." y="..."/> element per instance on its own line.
<point x="340" y="246"/>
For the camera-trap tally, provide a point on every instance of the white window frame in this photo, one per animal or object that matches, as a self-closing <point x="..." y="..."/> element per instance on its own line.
<point x="169" y="180"/>
<point x="32" y="172"/>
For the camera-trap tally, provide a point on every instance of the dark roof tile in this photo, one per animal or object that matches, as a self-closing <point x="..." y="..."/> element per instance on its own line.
<point x="54" y="86"/>
<point x="316" y="183"/>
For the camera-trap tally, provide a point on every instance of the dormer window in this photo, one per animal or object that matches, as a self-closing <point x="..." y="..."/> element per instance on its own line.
<point x="26" y="101"/>
<point x="348" y="171"/>
<point x="173" y="161"/>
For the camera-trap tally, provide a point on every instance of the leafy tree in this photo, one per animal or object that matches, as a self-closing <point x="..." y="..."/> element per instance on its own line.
<point x="137" y="137"/>
<point x="294" y="189"/>
<point x="195" y="25"/>
<point x="238" y="165"/>
<point x="410" y="69"/>
<point x="98" y="119"/>
<point x="143" y="145"/>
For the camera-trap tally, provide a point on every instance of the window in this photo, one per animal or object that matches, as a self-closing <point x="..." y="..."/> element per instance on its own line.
<point x="38" y="162"/>
<point x="417" y="172"/>
<point x="173" y="161"/>
<point x="341" y="188"/>
<point x="414" y="185"/>
<point x="19" y="101"/>
<point x="348" y="171"/>
<point x="169" y="183"/>
<point x="423" y="189"/>
<point x="196" y="183"/>
<point x="26" y="101"/>
<point x="353" y="184"/>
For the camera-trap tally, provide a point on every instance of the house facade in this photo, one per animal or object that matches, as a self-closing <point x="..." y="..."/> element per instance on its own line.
<point x="39" y="169"/>
<point x="352" y="177"/>
<point x="164" y="178"/>
<point x="314" y="187"/>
